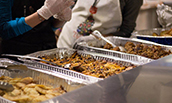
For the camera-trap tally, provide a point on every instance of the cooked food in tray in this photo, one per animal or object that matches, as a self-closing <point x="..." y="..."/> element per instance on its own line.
<point x="89" y="66"/>
<point x="164" y="33"/>
<point x="26" y="90"/>
<point x="153" y="52"/>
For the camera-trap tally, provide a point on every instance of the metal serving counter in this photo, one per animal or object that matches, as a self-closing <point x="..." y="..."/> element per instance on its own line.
<point x="149" y="83"/>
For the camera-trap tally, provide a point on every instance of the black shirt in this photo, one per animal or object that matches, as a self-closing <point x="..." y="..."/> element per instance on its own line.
<point x="130" y="10"/>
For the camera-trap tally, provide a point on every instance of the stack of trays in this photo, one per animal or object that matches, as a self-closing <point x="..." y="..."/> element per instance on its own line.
<point x="42" y="77"/>
<point x="70" y="74"/>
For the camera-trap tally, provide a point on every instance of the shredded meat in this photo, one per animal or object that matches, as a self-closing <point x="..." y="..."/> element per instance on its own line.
<point x="89" y="66"/>
<point x="153" y="52"/>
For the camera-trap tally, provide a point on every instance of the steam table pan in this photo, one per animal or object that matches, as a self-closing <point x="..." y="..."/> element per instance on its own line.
<point x="96" y="45"/>
<point x="70" y="74"/>
<point x="41" y="76"/>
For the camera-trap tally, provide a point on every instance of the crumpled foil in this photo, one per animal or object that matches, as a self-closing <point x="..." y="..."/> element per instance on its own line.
<point x="164" y="13"/>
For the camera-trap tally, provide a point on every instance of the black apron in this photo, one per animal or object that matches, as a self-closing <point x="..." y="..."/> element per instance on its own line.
<point x="41" y="37"/>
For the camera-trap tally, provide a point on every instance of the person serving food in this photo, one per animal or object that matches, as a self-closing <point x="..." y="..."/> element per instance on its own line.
<point x="110" y="17"/>
<point x="27" y="26"/>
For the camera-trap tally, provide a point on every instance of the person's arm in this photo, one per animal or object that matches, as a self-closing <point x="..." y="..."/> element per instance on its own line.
<point x="34" y="19"/>
<point x="130" y="10"/>
<point x="10" y="28"/>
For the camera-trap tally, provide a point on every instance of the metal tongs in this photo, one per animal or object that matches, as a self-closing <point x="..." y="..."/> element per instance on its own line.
<point x="14" y="68"/>
<point x="6" y="86"/>
<point x="99" y="35"/>
<point x="29" y="57"/>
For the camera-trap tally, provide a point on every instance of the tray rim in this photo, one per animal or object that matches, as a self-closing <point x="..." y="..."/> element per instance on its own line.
<point x="132" y="39"/>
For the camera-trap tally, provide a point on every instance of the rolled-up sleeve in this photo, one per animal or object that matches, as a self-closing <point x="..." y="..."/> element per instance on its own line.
<point x="11" y="28"/>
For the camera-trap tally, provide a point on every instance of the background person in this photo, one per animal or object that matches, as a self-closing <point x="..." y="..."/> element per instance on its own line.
<point x="113" y="17"/>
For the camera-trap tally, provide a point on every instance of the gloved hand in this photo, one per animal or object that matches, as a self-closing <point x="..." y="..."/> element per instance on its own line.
<point x="65" y="15"/>
<point x="52" y="7"/>
<point x="83" y="39"/>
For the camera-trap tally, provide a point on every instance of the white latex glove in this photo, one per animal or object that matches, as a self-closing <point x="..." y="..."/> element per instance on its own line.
<point x="52" y="7"/>
<point x="65" y="15"/>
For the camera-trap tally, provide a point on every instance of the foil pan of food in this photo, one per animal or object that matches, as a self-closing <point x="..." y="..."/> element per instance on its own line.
<point x="138" y="50"/>
<point x="85" y="66"/>
<point x="158" y="35"/>
<point x="22" y="84"/>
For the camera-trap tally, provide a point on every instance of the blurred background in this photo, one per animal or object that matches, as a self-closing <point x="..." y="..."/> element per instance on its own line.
<point x="147" y="17"/>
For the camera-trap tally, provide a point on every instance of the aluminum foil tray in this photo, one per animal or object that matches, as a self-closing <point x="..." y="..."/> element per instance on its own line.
<point x="42" y="77"/>
<point x="66" y="52"/>
<point x="147" y="35"/>
<point x="95" y="46"/>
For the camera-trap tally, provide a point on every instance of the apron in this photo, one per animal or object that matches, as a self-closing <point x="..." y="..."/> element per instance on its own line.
<point x="38" y="38"/>
<point x="107" y="20"/>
